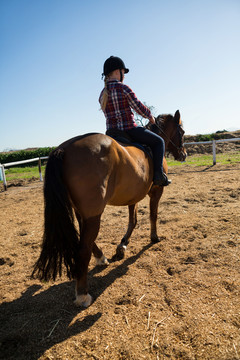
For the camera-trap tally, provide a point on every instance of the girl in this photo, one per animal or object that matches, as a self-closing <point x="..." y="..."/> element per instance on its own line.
<point x="117" y="100"/>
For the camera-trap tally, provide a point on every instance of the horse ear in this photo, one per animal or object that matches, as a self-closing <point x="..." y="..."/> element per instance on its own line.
<point x="177" y="117"/>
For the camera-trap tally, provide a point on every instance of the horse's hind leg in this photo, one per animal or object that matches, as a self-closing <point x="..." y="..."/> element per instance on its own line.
<point x="89" y="232"/>
<point x="99" y="256"/>
<point x="131" y="225"/>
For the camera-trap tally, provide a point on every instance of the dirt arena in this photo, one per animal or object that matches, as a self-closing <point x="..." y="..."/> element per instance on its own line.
<point x="178" y="299"/>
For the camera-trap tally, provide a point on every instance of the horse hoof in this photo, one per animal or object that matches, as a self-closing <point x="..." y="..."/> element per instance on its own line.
<point x="83" y="300"/>
<point x="155" y="239"/>
<point x="120" y="252"/>
<point x="102" y="261"/>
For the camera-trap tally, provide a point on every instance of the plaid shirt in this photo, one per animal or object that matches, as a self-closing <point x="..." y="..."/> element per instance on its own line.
<point x="121" y="99"/>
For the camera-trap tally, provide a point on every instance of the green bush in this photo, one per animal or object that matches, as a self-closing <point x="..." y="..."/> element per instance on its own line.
<point x="214" y="136"/>
<point x="221" y="131"/>
<point x="24" y="154"/>
<point x="203" y="138"/>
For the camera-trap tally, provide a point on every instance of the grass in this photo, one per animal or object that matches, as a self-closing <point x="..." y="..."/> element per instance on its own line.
<point x="207" y="159"/>
<point x="16" y="173"/>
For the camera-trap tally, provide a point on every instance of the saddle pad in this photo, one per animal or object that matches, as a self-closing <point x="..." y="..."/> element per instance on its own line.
<point x="122" y="137"/>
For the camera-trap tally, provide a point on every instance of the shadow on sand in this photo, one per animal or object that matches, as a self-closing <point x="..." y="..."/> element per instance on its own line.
<point x="38" y="320"/>
<point x="202" y="169"/>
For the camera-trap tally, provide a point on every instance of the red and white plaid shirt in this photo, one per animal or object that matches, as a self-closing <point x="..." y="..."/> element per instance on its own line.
<point x="121" y="99"/>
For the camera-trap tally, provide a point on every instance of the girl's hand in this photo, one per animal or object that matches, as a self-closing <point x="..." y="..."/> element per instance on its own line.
<point x="152" y="120"/>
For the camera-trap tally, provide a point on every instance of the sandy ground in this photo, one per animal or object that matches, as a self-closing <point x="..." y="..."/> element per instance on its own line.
<point x="178" y="299"/>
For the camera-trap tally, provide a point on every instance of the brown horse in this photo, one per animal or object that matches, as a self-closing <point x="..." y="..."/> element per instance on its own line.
<point x="83" y="175"/>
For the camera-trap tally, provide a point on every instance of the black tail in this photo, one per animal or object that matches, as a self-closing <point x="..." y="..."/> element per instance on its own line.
<point x="61" y="239"/>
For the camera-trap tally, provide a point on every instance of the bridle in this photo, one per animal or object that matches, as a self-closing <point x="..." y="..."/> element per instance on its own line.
<point x="179" y="128"/>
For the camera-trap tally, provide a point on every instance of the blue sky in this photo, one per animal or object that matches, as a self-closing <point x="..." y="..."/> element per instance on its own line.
<point x="181" y="54"/>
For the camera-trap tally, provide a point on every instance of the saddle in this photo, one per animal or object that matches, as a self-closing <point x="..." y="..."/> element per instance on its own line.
<point x="122" y="137"/>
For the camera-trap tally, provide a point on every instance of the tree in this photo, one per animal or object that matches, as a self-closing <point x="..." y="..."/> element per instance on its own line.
<point x="140" y="119"/>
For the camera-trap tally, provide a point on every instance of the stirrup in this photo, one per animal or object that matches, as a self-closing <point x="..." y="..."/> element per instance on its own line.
<point x="163" y="181"/>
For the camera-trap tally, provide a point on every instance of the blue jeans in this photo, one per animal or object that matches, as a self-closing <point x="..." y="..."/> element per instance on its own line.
<point x="155" y="142"/>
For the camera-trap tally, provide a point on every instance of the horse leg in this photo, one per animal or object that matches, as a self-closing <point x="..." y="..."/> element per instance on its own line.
<point x="89" y="232"/>
<point x="99" y="256"/>
<point x="155" y="195"/>
<point x="131" y="225"/>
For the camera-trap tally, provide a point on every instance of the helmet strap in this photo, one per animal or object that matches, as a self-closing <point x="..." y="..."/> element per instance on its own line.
<point x="121" y="75"/>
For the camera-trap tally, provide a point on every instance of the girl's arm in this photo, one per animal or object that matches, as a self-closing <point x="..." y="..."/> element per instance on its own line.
<point x="136" y="104"/>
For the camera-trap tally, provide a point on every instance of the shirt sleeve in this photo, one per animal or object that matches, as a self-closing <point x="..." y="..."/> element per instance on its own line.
<point x="135" y="104"/>
<point x="100" y="96"/>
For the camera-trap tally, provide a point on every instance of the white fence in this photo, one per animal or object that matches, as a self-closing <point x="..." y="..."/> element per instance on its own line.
<point x="214" y="142"/>
<point x="3" y="166"/>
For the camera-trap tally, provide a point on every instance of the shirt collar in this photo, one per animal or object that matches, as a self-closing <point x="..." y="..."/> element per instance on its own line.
<point x="112" y="80"/>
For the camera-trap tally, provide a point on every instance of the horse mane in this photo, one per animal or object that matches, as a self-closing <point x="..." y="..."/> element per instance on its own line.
<point x="161" y="121"/>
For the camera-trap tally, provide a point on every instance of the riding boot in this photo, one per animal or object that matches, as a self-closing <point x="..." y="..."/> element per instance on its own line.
<point x="161" y="180"/>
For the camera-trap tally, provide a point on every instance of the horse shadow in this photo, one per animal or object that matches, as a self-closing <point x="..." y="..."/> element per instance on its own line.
<point x="39" y="319"/>
<point x="100" y="283"/>
<point x="211" y="168"/>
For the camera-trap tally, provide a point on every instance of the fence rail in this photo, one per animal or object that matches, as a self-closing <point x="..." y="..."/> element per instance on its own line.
<point x="213" y="142"/>
<point x="3" y="166"/>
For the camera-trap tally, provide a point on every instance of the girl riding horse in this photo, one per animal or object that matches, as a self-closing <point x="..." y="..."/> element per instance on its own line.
<point x="90" y="171"/>
<point x="117" y="100"/>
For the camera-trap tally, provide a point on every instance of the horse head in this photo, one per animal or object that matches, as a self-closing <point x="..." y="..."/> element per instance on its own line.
<point x="170" y="128"/>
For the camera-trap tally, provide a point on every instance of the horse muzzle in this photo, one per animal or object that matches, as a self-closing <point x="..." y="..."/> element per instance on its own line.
<point x="182" y="155"/>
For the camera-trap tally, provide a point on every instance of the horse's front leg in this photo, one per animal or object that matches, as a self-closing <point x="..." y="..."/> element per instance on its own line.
<point x="132" y="222"/>
<point x="155" y="195"/>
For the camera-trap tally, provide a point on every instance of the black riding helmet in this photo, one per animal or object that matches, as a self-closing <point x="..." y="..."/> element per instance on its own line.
<point x="113" y="63"/>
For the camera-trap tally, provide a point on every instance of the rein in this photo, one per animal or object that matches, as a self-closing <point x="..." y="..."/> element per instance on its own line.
<point x="167" y="137"/>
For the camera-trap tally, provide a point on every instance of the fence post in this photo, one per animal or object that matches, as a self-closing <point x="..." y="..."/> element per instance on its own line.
<point x="2" y="170"/>
<point x="214" y="151"/>
<point x="40" y="169"/>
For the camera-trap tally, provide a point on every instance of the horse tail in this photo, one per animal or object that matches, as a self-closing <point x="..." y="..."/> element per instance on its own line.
<point x="60" y="242"/>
